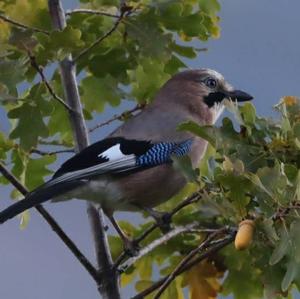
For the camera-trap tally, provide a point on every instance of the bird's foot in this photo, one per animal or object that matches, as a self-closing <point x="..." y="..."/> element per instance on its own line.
<point x="163" y="219"/>
<point x="131" y="247"/>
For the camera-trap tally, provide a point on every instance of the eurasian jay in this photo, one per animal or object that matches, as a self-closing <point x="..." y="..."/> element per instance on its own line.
<point x="132" y="168"/>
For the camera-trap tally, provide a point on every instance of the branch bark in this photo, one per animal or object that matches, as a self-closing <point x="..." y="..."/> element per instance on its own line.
<point x="21" y="25"/>
<point x="120" y="117"/>
<point x="216" y="246"/>
<point x="189" y="200"/>
<point x="108" y="286"/>
<point x="53" y="224"/>
<point x="91" y="12"/>
<point x="194" y="227"/>
<point x="39" y="69"/>
<point x="101" y="38"/>
<point x="186" y="260"/>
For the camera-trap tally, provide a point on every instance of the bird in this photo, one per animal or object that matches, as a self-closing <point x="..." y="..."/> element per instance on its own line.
<point x="132" y="168"/>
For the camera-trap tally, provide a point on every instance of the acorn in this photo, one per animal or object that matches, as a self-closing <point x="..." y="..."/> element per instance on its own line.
<point x="244" y="235"/>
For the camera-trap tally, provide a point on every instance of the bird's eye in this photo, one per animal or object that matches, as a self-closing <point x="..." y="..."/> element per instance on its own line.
<point x="210" y="82"/>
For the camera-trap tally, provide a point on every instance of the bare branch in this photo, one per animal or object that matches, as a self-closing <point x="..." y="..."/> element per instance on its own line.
<point x="108" y="286"/>
<point x="53" y="224"/>
<point x="186" y="259"/>
<point x="121" y="117"/>
<point x="52" y="143"/>
<point x="191" y="199"/>
<point x="217" y="245"/>
<point x="101" y="38"/>
<point x="18" y="24"/>
<point x="45" y="153"/>
<point x="91" y="12"/>
<point x="193" y="227"/>
<point x="39" y="69"/>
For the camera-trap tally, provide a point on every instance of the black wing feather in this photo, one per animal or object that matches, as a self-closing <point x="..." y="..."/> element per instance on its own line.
<point x="91" y="155"/>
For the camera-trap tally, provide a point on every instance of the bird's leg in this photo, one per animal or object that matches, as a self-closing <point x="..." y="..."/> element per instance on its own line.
<point x="163" y="219"/>
<point x="130" y="246"/>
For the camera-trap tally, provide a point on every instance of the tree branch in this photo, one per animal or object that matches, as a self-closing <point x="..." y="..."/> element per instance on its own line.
<point x="215" y="247"/>
<point x="121" y="117"/>
<point x="91" y="12"/>
<point x="18" y="24"/>
<point x="193" y="227"/>
<point x="46" y="153"/>
<point x="101" y="38"/>
<point x="108" y="285"/>
<point x="39" y="69"/>
<point x="53" y="224"/>
<point x="190" y="200"/>
<point x="186" y="260"/>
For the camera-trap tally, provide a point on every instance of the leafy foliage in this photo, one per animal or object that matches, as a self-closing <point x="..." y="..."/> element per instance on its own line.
<point x="251" y="169"/>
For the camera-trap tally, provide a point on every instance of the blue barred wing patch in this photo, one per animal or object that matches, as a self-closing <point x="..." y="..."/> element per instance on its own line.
<point x="161" y="153"/>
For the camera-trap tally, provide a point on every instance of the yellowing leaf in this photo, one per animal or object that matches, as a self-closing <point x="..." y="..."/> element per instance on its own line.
<point x="203" y="281"/>
<point x="24" y="219"/>
<point x="290" y="100"/>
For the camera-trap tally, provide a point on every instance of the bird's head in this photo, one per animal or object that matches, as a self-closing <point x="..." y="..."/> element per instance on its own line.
<point x="202" y="91"/>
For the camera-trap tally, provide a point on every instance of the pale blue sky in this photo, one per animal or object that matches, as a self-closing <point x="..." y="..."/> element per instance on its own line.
<point x="258" y="51"/>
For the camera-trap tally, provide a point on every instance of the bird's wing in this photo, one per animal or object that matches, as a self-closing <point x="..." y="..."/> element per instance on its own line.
<point x="115" y="155"/>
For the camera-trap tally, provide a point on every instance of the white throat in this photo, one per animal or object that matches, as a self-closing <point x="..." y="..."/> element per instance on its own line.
<point x="218" y="109"/>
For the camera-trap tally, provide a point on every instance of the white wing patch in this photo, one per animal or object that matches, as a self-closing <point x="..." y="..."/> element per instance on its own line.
<point x="113" y="153"/>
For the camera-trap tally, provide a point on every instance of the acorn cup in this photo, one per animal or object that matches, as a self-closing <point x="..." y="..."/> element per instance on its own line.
<point x="244" y="235"/>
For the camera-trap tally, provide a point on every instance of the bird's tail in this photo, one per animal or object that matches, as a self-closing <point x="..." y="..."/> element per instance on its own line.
<point x="34" y="198"/>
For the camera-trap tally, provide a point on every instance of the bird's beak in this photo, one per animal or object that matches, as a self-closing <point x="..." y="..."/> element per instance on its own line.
<point x="238" y="95"/>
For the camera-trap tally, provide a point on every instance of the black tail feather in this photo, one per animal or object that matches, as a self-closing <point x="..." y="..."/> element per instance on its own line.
<point x="40" y="195"/>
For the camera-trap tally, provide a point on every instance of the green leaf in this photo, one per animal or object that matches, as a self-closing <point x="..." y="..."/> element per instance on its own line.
<point x="291" y="272"/>
<point x="282" y="248"/>
<point x="5" y="146"/>
<point x="205" y="132"/>
<point x="36" y="170"/>
<point x="12" y="72"/>
<point x="185" y="51"/>
<point x="30" y="125"/>
<point x="142" y="285"/>
<point x="19" y="160"/>
<point x="59" y="123"/>
<point x="144" y="86"/>
<point x="151" y="40"/>
<point x="184" y="164"/>
<point x="268" y="227"/>
<point x="144" y="267"/>
<point x="22" y="39"/>
<point x="115" y="245"/>
<point x="248" y="113"/>
<point x="99" y="91"/>
<point x="24" y="219"/>
<point x="243" y="278"/>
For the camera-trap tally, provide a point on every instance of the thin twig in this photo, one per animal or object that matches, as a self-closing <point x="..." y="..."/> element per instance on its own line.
<point x="91" y="12"/>
<point x="101" y="38"/>
<point x="39" y="69"/>
<point x="186" y="259"/>
<point x="52" y="143"/>
<point x="46" y="153"/>
<point x="117" y="117"/>
<point x="193" y="227"/>
<point x="191" y="199"/>
<point x="218" y="245"/>
<point x="18" y="24"/>
<point x="53" y="224"/>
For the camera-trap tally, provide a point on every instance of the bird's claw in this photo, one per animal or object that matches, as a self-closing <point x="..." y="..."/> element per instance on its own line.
<point x="131" y="248"/>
